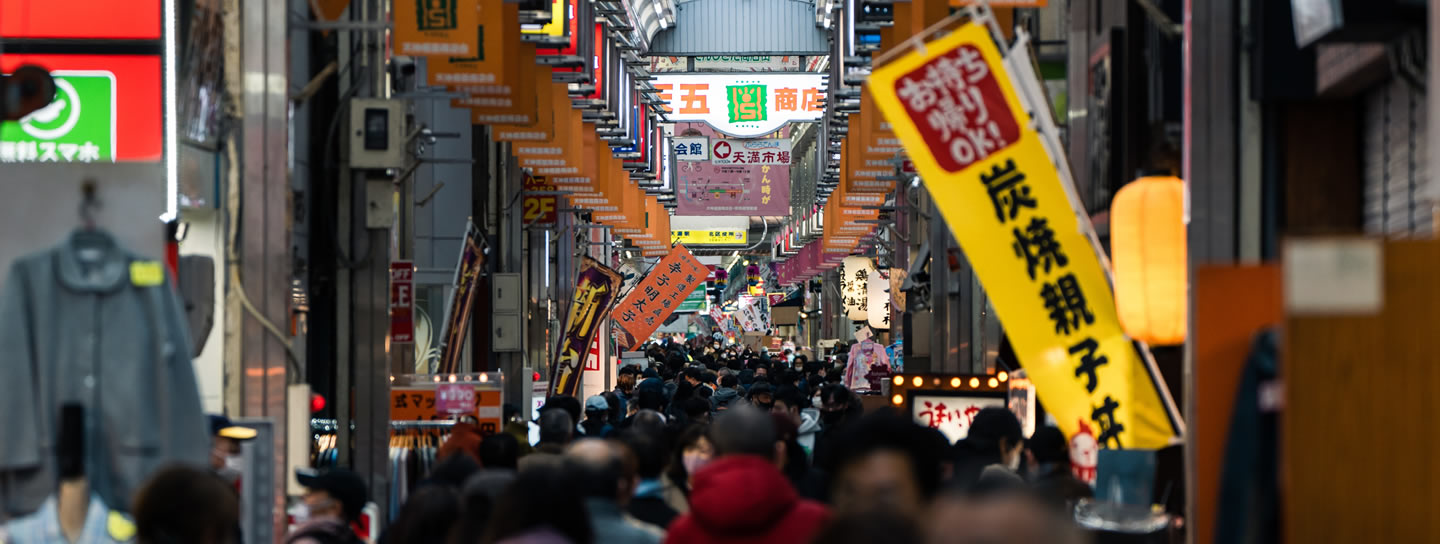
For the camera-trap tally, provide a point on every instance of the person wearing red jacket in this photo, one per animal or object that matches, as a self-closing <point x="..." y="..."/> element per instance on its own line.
<point x="742" y="496"/>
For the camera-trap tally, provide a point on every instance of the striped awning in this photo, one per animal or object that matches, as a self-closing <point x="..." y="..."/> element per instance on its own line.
<point x="650" y="16"/>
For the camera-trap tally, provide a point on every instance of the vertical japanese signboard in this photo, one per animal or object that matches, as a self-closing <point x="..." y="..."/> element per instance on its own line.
<point x="596" y="287"/>
<point x="402" y="302"/>
<point x="457" y="324"/>
<point x="539" y="208"/>
<point x="657" y="296"/>
<point x="962" y="123"/>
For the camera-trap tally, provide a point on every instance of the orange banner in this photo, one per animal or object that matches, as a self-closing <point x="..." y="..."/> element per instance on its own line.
<point x="487" y="64"/>
<point x="424" y="28"/>
<point x="657" y="296"/>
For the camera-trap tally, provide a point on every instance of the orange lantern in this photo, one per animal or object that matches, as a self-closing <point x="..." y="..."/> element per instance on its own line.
<point x="1148" y="245"/>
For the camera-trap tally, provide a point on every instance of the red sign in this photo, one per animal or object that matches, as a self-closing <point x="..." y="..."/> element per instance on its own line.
<point x="454" y="398"/>
<point x="969" y="118"/>
<point x="908" y="167"/>
<point x="539" y="209"/>
<point x="135" y="112"/>
<point x="721" y="150"/>
<point x="81" y="19"/>
<point x="592" y="359"/>
<point x="402" y="302"/>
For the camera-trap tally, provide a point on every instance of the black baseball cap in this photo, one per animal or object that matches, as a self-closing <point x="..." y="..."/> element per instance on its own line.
<point x="345" y="486"/>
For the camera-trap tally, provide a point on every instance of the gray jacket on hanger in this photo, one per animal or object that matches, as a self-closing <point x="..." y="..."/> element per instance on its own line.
<point x="82" y="323"/>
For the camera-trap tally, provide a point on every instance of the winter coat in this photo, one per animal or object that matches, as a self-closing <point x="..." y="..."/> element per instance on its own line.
<point x="725" y="396"/>
<point x="744" y="498"/>
<point x="809" y="428"/>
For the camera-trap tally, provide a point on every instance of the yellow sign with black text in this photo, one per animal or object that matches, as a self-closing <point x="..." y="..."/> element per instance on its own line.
<point x="956" y="112"/>
<point x="711" y="237"/>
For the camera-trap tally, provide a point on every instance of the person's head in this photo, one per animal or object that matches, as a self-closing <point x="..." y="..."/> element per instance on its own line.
<point x="179" y="504"/>
<point x="697" y="410"/>
<point x="730" y="381"/>
<point x="710" y="378"/>
<point x="1009" y="515"/>
<point x="542" y="498"/>
<point x="626" y="378"/>
<point x="334" y="493"/>
<point x="479" y="498"/>
<point x="837" y="405"/>
<point x="1047" y="451"/>
<point x="225" y="440"/>
<point x="597" y="408"/>
<point x="692" y="452"/>
<point x="569" y="404"/>
<point x="885" y="461"/>
<point x="428" y="515"/>
<point x="604" y="470"/>
<point x="762" y="396"/>
<point x="744" y="430"/>
<point x="788" y="402"/>
<point x="613" y="400"/>
<point x="556" y="427"/>
<point x="649" y="451"/>
<point x="452" y="471"/>
<point x="500" y="451"/>
<point x="762" y="370"/>
<point x="878" y="526"/>
<point x="650" y="395"/>
<point x="994" y="438"/>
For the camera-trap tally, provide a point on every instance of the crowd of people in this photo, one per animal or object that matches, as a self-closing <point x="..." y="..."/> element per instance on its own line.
<point x="715" y="445"/>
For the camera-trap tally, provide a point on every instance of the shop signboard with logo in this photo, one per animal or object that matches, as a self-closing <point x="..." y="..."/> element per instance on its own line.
<point x="772" y="151"/>
<point x="106" y="108"/>
<point x="743" y="105"/>
<point x="82" y="19"/>
<point x="952" y="414"/>
<point x="710" y="237"/>
<point x="761" y="63"/>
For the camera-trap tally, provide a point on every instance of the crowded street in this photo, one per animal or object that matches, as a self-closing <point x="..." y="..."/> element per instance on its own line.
<point x="718" y="271"/>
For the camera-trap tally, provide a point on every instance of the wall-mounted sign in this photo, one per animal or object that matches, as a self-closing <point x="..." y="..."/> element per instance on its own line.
<point x="106" y="108"/>
<point x="951" y="414"/>
<point x="436" y="27"/>
<point x="710" y="237"/>
<point x="743" y="104"/>
<point x="402" y="302"/>
<point x="704" y="188"/>
<point x="81" y="19"/>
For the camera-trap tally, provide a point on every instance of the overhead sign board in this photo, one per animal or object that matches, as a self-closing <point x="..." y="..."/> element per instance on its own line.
<point x="691" y="148"/>
<point x="762" y="63"/>
<point x="743" y="105"/>
<point x="106" y="108"/>
<point x="711" y="237"/>
<point x="762" y="151"/>
<point x="81" y="19"/>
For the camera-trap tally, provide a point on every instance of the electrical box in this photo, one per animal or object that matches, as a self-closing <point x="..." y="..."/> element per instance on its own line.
<point x="505" y="333"/>
<point x="507" y="295"/>
<point x="377" y="133"/>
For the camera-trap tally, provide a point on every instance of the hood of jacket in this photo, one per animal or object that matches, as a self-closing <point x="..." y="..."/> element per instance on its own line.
<point x="809" y="421"/>
<point x="725" y="396"/>
<point x="741" y="494"/>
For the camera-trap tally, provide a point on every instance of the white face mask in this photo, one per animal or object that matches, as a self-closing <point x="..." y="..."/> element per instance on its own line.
<point x="300" y="513"/>
<point x="234" y="463"/>
<point x="694" y="462"/>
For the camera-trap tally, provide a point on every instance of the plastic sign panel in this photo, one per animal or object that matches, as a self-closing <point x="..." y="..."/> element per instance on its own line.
<point x="669" y="283"/>
<point x="106" y="108"/>
<point x="763" y="63"/>
<point x="951" y="414"/>
<point x="402" y="302"/>
<point x="539" y="208"/>
<point x="772" y="151"/>
<point x="82" y="19"/>
<point x="595" y="290"/>
<point x="436" y="27"/>
<point x="711" y="237"/>
<point x="957" y="113"/>
<point x="691" y="148"/>
<point x="744" y="105"/>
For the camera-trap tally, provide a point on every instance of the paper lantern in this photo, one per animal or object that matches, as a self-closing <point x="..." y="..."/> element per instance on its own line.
<point x="855" y="274"/>
<point x="878" y="301"/>
<point x="1148" y="248"/>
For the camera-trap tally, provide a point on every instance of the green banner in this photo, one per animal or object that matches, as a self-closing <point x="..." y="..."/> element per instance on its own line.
<point x="696" y="302"/>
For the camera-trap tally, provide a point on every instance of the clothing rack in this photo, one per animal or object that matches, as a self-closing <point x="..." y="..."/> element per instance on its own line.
<point x="322" y="425"/>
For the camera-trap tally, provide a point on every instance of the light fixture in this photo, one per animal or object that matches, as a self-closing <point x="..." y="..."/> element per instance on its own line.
<point x="452" y="378"/>
<point x="993" y="383"/>
<point x="897" y="399"/>
<point x="974" y="382"/>
<point x="484" y="378"/>
<point x="918" y="381"/>
<point x="899" y="380"/>
<point x="1003" y="375"/>
<point x="955" y="382"/>
<point x="1148" y="256"/>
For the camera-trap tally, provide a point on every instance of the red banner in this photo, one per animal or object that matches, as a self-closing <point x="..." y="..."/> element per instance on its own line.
<point x="658" y="295"/>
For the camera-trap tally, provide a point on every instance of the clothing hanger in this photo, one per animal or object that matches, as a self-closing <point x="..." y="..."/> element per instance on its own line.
<point x="91" y="243"/>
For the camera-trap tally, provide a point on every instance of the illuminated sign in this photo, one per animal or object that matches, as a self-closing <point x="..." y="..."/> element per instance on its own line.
<point x="81" y="19"/>
<point x="710" y="237"/>
<point x="106" y="108"/>
<point x="745" y="104"/>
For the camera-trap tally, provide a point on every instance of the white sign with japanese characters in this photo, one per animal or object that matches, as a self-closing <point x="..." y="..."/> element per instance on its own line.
<point x="691" y="149"/>
<point x="744" y="105"/>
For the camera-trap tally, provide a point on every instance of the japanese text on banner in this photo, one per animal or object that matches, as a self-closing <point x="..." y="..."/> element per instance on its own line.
<point x="967" y="132"/>
<point x="658" y="296"/>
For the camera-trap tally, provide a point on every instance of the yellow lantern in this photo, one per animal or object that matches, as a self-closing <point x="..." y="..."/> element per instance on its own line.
<point x="1147" y="246"/>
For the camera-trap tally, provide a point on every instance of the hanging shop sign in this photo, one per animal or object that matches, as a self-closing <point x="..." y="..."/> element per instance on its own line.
<point x="452" y="399"/>
<point x="558" y="17"/>
<point x="957" y="112"/>
<point x="457" y="324"/>
<point x="762" y="63"/>
<point x="436" y="27"/>
<point x="775" y="298"/>
<point x="711" y="237"/>
<point x="669" y="283"/>
<point x="539" y="208"/>
<point x="952" y="414"/>
<point x="106" y="108"/>
<point x="743" y="105"/>
<point x="691" y="148"/>
<point x="81" y="19"/>
<point x="421" y="403"/>
<point x="697" y="302"/>
<point x="753" y="313"/>
<point x="596" y="287"/>
<point x="486" y="64"/>
<point x="772" y="151"/>
<point x="402" y="302"/>
<point x="704" y="188"/>
<point x="877" y="300"/>
<point x="855" y="273"/>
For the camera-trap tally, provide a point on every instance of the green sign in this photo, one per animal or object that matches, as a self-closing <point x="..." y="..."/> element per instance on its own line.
<point x="696" y="302"/>
<point x="747" y="103"/>
<point x="79" y="126"/>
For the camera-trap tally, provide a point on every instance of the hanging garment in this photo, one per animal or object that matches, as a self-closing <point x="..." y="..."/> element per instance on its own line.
<point x="863" y="356"/>
<point x="91" y="323"/>
<point x="102" y="526"/>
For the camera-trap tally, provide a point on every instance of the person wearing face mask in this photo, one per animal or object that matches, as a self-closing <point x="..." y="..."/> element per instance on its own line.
<point x="692" y="452"/>
<point x="225" y="440"/>
<point x="992" y="447"/>
<point x="332" y="502"/>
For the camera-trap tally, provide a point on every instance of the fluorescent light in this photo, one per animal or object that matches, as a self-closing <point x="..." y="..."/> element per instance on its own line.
<point x="172" y="148"/>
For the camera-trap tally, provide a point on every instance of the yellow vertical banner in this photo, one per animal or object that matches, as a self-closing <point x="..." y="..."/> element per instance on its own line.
<point x="436" y="27"/>
<point x="953" y="107"/>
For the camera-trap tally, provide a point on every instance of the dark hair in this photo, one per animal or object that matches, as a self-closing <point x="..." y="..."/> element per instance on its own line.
<point x="500" y="450"/>
<point x="427" y="516"/>
<point x="650" y="453"/>
<point x="880" y="525"/>
<point x="569" y="404"/>
<point x="888" y="430"/>
<point x="695" y="373"/>
<point x="452" y="471"/>
<point x="730" y="381"/>
<point x="1048" y="445"/>
<point x="179" y="504"/>
<point x="689" y="437"/>
<point x="556" y="426"/>
<point x="696" y="407"/>
<point x="981" y="446"/>
<point x="709" y="376"/>
<point x="649" y="422"/>
<point x="478" y="501"/>
<point x="542" y="498"/>
<point x="790" y="395"/>
<point x="702" y="393"/>
<point x="743" y="430"/>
